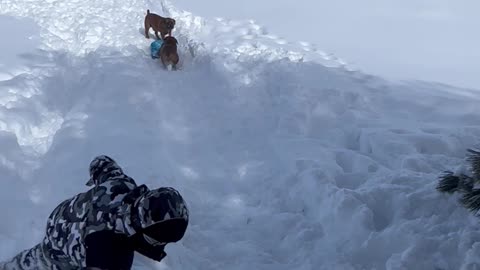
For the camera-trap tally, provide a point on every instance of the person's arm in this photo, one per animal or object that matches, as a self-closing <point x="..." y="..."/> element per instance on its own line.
<point x="154" y="253"/>
<point x="107" y="250"/>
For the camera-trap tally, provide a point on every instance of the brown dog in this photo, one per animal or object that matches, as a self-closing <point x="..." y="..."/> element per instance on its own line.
<point x="158" y="24"/>
<point x="168" y="52"/>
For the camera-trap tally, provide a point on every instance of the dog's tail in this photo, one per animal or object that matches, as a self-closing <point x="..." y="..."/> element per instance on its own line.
<point x="148" y="11"/>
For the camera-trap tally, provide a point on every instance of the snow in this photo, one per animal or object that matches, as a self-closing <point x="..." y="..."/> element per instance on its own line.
<point x="288" y="157"/>
<point x="429" y="40"/>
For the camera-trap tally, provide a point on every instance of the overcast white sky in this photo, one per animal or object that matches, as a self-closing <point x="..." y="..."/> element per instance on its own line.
<point x="434" y="40"/>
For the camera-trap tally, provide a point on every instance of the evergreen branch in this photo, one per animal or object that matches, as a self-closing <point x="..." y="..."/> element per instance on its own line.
<point x="449" y="183"/>
<point x="466" y="183"/>
<point x="474" y="158"/>
<point x="471" y="200"/>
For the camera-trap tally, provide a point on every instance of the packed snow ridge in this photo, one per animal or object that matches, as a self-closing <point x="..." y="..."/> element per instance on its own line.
<point x="289" y="158"/>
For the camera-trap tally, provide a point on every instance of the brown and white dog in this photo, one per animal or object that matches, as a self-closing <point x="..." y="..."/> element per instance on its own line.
<point x="158" y="24"/>
<point x="168" y="53"/>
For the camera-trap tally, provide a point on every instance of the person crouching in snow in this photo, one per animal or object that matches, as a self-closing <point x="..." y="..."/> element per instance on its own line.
<point x="103" y="227"/>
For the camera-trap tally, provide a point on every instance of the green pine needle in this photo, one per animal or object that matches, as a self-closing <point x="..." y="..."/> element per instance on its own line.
<point x="449" y="183"/>
<point x="471" y="200"/>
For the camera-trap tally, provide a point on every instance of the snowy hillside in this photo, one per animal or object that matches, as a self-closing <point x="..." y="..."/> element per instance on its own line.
<point x="288" y="158"/>
<point x="409" y="39"/>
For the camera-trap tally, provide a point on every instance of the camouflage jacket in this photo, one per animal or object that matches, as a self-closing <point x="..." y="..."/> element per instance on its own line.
<point x="103" y="207"/>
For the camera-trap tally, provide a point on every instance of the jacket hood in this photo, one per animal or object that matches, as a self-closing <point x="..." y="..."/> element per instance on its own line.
<point x="158" y="205"/>
<point x="101" y="169"/>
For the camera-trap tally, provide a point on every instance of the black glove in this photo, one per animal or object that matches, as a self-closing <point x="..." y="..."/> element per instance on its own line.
<point x="154" y="252"/>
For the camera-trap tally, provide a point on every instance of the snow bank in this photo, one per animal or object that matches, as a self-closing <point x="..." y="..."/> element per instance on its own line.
<point x="289" y="159"/>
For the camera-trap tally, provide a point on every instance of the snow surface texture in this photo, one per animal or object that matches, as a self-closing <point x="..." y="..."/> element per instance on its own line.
<point x="410" y="39"/>
<point x="288" y="158"/>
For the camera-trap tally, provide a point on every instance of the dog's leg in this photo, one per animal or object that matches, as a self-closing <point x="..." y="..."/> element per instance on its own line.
<point x="163" y="62"/>
<point x="147" y="27"/>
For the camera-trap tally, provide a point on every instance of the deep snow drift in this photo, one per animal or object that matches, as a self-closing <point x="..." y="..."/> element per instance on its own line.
<point x="289" y="160"/>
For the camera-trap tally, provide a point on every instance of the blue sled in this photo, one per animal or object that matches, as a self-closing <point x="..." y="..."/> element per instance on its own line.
<point x="155" y="48"/>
